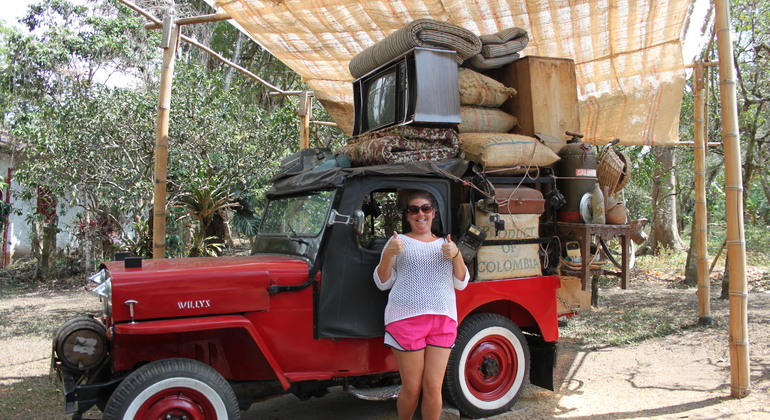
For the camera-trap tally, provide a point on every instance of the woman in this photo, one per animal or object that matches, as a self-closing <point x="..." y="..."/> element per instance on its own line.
<point x="422" y="268"/>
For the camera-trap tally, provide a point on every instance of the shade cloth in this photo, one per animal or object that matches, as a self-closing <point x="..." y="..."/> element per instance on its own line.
<point x="628" y="54"/>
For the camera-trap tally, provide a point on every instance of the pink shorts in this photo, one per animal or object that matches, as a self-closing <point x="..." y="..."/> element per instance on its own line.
<point x="417" y="332"/>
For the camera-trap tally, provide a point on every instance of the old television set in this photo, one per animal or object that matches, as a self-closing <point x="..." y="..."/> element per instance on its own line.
<point x="419" y="87"/>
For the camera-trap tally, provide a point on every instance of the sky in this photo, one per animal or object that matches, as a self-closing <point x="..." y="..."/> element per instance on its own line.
<point x="12" y="10"/>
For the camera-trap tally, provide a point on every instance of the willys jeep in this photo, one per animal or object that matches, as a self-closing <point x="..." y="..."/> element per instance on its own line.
<point x="203" y="338"/>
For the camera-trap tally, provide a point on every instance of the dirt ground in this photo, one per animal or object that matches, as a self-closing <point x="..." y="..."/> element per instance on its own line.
<point x="685" y="375"/>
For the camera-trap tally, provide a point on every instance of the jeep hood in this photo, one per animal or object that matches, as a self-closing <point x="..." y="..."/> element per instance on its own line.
<point x="184" y="287"/>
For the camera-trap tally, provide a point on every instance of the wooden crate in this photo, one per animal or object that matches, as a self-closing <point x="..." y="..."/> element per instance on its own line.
<point x="547" y="100"/>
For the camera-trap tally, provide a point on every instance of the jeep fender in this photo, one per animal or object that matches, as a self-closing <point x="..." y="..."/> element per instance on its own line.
<point x="186" y="325"/>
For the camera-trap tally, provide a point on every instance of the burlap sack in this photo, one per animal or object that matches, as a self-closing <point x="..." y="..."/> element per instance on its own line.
<point x="505" y="154"/>
<point x="508" y="261"/>
<point x="478" y="119"/>
<point x="479" y="90"/>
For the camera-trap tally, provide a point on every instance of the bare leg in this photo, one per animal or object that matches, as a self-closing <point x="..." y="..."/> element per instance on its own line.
<point x="411" y="365"/>
<point x="436" y="359"/>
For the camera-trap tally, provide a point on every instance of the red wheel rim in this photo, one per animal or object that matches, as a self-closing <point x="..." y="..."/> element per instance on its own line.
<point x="177" y="402"/>
<point x="491" y="368"/>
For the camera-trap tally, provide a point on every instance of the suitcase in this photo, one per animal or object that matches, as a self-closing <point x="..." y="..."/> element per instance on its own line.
<point x="302" y="161"/>
<point x="513" y="199"/>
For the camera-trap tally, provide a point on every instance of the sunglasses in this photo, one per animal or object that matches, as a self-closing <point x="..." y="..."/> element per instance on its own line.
<point x="426" y="208"/>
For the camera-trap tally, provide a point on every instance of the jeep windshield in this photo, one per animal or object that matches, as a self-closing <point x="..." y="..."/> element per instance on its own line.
<point x="293" y="224"/>
<point x="297" y="216"/>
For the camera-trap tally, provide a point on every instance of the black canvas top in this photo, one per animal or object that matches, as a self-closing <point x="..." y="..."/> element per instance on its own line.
<point x="335" y="177"/>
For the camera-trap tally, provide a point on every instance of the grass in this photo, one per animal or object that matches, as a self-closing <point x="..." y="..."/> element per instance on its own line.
<point x="15" y="400"/>
<point x="658" y="302"/>
<point x="631" y="316"/>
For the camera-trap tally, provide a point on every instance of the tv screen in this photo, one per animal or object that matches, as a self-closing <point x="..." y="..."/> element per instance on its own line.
<point x="419" y="87"/>
<point x="381" y="100"/>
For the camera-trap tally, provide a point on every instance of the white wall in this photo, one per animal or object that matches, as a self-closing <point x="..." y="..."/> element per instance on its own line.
<point x="19" y="230"/>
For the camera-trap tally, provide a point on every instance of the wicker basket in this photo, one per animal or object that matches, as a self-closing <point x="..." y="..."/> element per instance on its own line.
<point x="617" y="214"/>
<point x="626" y="175"/>
<point x="609" y="169"/>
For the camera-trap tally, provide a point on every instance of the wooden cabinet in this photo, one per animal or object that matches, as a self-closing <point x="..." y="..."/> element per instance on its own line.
<point x="547" y="100"/>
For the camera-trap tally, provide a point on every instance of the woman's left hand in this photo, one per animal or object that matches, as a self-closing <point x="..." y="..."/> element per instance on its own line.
<point x="449" y="249"/>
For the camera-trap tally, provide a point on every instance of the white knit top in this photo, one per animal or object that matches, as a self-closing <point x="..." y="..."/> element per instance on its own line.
<point x="422" y="282"/>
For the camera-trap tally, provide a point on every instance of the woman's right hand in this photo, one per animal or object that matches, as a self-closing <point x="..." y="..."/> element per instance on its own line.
<point x="395" y="246"/>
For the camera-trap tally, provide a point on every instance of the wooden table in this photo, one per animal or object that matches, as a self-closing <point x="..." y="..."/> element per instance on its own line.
<point x="585" y="232"/>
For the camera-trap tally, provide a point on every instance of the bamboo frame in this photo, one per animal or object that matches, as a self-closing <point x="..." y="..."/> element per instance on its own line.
<point x="305" y="112"/>
<point x="169" y="44"/>
<point x="736" y="244"/>
<point x="701" y="233"/>
<point x="216" y="17"/>
<point x="191" y="41"/>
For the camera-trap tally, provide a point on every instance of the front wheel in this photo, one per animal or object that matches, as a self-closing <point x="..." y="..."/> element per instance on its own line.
<point x="173" y="389"/>
<point x="487" y="366"/>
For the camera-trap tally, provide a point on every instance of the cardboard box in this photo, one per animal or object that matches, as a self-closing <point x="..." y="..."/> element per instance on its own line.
<point x="571" y="293"/>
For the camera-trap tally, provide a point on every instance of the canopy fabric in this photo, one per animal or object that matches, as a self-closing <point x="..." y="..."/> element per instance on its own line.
<point x="628" y="54"/>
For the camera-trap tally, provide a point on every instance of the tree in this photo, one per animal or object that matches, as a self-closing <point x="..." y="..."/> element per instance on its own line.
<point x="665" y="231"/>
<point x="90" y="139"/>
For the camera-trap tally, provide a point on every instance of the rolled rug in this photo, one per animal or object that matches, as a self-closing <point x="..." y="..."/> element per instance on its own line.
<point x="427" y="33"/>
<point x="395" y="149"/>
<point x="505" y="42"/>
<point x="498" y="49"/>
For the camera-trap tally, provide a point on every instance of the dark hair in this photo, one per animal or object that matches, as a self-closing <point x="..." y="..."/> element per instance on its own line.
<point x="415" y="194"/>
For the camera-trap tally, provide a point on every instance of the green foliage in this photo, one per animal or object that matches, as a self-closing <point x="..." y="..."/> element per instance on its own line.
<point x="79" y="92"/>
<point x="246" y="219"/>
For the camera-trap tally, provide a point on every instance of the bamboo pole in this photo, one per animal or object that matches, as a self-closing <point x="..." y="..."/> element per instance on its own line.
<point x="195" y="43"/>
<point x="692" y="143"/>
<point x="169" y="45"/>
<point x="305" y="112"/>
<point x="701" y="233"/>
<point x="736" y="242"/>
<point x="216" y="17"/>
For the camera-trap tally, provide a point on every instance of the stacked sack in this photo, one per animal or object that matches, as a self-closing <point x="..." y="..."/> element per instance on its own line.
<point x="484" y="129"/>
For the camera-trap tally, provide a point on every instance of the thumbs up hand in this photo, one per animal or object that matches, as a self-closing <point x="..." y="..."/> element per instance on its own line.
<point x="449" y="248"/>
<point x="395" y="246"/>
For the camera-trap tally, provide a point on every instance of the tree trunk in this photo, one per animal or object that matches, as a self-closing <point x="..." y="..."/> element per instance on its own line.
<point x="236" y="59"/>
<point x="726" y="281"/>
<point x="48" y="249"/>
<point x="665" y="233"/>
<point x="691" y="267"/>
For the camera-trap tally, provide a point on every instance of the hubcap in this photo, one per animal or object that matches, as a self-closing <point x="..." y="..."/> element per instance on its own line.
<point x="177" y="404"/>
<point x="491" y="368"/>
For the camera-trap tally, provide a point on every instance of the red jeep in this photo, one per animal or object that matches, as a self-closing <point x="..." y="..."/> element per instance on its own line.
<point x="203" y="338"/>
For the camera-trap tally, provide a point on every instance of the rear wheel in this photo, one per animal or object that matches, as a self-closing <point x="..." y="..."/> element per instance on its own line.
<point x="488" y="365"/>
<point x="173" y="389"/>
